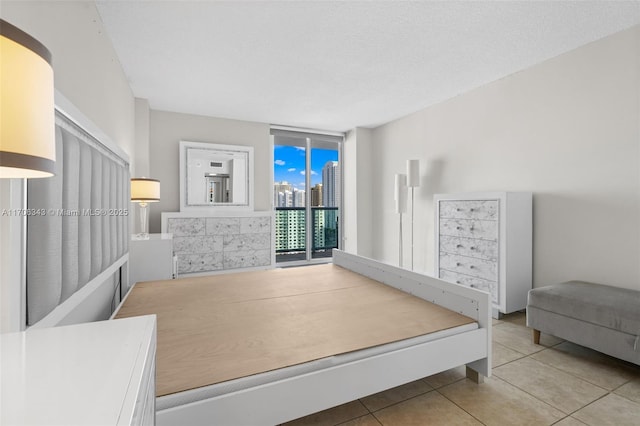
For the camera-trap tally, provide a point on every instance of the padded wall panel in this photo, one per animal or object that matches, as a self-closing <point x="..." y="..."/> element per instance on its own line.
<point x="106" y="234"/>
<point x="70" y="214"/>
<point x="126" y="222"/>
<point x="119" y="206"/>
<point x="84" y="221"/>
<point x="96" y="220"/>
<point x="77" y="229"/>
<point x="113" y="211"/>
<point x="44" y="241"/>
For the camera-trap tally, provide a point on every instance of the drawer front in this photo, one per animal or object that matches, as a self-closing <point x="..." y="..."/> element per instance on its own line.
<point x="180" y="227"/>
<point x="482" y="249"/>
<point x="474" y="267"/>
<point x="255" y="225"/>
<point x="197" y="244"/>
<point x="471" y="209"/>
<point x="246" y="258"/>
<point x="484" y="229"/>
<point x="188" y="263"/>
<point x="479" y="283"/>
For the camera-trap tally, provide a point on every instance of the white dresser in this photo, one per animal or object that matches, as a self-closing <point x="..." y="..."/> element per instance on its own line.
<point x="484" y="240"/>
<point x="206" y="243"/>
<point x="151" y="258"/>
<point x="100" y="373"/>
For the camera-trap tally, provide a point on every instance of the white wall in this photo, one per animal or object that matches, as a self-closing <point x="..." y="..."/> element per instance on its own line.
<point x="140" y="168"/>
<point x="88" y="74"/>
<point x="167" y="129"/>
<point x="358" y="232"/>
<point x="566" y="129"/>
<point x="86" y="69"/>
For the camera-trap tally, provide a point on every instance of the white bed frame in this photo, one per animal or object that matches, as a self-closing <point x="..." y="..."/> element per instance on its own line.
<point x="286" y="399"/>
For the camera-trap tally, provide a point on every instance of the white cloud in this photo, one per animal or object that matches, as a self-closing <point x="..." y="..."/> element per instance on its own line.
<point x="279" y="163"/>
<point x="293" y="169"/>
<point x="302" y="172"/>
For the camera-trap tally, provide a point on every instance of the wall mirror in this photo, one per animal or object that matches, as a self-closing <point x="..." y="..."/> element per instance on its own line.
<point x="215" y="175"/>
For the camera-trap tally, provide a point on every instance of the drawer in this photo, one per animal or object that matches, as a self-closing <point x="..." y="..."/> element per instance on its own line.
<point x="485" y="229"/>
<point x="188" y="263"/>
<point x="478" y="268"/>
<point x="246" y="258"/>
<point x="484" y="285"/>
<point x="470" y="209"/>
<point x="482" y="249"/>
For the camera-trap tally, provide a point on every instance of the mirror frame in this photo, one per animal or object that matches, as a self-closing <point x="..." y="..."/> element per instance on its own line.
<point x="185" y="146"/>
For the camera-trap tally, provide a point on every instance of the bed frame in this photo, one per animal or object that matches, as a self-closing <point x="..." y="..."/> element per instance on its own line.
<point x="286" y="399"/>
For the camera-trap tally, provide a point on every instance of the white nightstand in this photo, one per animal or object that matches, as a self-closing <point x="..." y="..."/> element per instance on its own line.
<point x="151" y="258"/>
<point x="99" y="373"/>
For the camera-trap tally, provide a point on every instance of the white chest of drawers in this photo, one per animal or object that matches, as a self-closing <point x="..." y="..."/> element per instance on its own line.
<point x="100" y="373"/>
<point x="207" y="243"/>
<point x="484" y="240"/>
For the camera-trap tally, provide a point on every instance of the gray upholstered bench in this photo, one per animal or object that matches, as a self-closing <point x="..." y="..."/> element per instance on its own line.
<point x="600" y="317"/>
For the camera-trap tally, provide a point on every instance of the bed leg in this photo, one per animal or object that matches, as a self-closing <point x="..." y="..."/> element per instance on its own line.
<point x="536" y="336"/>
<point x="474" y="375"/>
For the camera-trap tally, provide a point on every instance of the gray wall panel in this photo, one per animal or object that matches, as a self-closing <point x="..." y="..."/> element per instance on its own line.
<point x="96" y="219"/>
<point x="113" y="211"/>
<point x="44" y="241"/>
<point x="75" y="226"/>
<point x="84" y="220"/>
<point x="106" y="235"/>
<point x="70" y="214"/>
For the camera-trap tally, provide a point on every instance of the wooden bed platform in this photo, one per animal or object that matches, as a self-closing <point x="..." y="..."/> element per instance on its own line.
<point x="222" y="328"/>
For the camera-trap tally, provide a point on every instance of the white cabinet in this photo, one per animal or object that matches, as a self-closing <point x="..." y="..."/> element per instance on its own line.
<point x="100" y="373"/>
<point x="151" y="258"/>
<point x="484" y="240"/>
<point x="205" y="244"/>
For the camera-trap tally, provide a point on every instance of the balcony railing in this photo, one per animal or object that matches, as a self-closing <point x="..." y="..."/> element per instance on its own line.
<point x="291" y="232"/>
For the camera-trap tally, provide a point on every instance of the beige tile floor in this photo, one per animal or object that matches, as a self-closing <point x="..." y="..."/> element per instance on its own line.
<point x="556" y="382"/>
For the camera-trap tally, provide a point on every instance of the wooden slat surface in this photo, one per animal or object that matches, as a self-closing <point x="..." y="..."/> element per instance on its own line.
<point x="222" y="327"/>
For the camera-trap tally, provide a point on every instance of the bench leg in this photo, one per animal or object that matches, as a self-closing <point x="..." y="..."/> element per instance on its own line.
<point x="536" y="336"/>
<point x="474" y="375"/>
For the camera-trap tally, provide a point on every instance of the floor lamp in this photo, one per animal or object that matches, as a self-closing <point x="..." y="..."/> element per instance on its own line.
<point x="28" y="135"/>
<point x="400" y="197"/>
<point x="413" y="181"/>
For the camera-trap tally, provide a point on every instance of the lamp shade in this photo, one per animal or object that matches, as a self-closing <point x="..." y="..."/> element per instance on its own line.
<point x="400" y="193"/>
<point x="145" y="190"/>
<point x="413" y="173"/>
<point x="27" y="123"/>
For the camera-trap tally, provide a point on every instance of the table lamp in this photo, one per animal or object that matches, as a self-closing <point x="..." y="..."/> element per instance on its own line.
<point x="143" y="192"/>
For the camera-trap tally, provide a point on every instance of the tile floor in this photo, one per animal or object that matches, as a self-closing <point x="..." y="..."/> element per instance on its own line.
<point x="556" y="382"/>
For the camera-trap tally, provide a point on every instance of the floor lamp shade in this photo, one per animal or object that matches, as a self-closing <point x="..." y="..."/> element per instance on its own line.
<point x="400" y="193"/>
<point x="413" y="173"/>
<point x="27" y="133"/>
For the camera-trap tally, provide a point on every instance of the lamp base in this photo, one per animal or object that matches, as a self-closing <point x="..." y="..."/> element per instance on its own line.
<point x="144" y="230"/>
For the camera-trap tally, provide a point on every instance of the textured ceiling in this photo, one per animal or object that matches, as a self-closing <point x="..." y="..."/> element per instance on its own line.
<point x="338" y="65"/>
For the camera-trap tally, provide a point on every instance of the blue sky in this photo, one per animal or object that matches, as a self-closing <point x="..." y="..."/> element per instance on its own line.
<point x="289" y="164"/>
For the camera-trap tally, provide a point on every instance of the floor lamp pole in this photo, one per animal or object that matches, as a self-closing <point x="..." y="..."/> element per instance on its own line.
<point x="413" y="180"/>
<point x="400" y="196"/>
<point x="413" y="200"/>
<point x="400" y="243"/>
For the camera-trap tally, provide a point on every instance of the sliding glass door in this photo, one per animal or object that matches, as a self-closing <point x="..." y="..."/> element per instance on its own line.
<point x="307" y="193"/>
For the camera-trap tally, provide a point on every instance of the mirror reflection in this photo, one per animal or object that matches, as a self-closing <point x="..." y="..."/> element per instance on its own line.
<point x="215" y="175"/>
